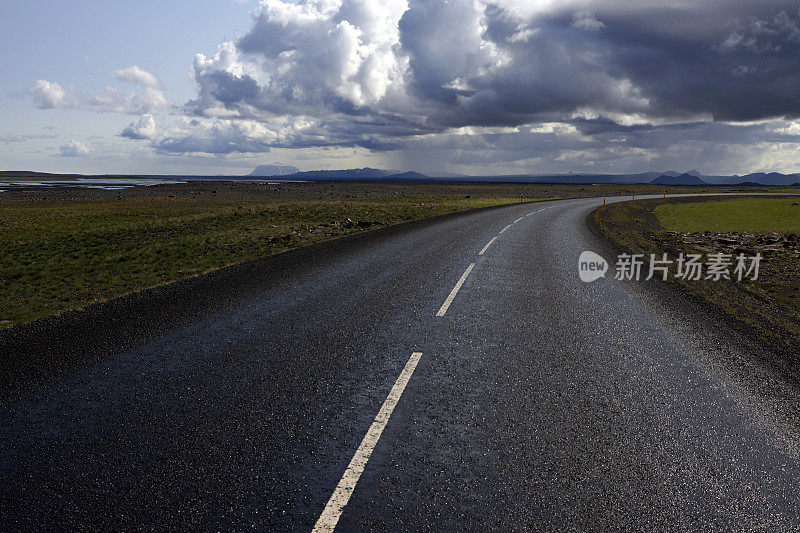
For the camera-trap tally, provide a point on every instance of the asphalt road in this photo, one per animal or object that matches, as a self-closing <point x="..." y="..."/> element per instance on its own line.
<point x="534" y="401"/>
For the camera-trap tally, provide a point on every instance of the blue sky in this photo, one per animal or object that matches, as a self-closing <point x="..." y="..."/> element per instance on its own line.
<point x="467" y="86"/>
<point x="82" y="44"/>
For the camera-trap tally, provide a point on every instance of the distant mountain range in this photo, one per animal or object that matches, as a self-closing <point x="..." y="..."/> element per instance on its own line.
<point x="773" y="178"/>
<point x="682" y="179"/>
<point x="351" y="173"/>
<point x="263" y="171"/>
<point x="286" y="172"/>
<point x="692" y="177"/>
<point x="354" y="174"/>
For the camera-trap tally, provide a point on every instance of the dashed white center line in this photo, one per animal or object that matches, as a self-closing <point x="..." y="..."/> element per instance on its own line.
<point x="344" y="489"/>
<point x="341" y="495"/>
<point x="488" y="244"/>
<point x="449" y="300"/>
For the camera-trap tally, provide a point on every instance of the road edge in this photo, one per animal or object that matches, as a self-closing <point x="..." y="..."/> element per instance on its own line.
<point x="35" y="353"/>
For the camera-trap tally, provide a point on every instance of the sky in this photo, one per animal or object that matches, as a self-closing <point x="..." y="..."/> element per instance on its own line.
<point x="472" y="87"/>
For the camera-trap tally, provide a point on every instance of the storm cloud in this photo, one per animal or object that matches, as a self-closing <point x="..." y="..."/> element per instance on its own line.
<point x="616" y="78"/>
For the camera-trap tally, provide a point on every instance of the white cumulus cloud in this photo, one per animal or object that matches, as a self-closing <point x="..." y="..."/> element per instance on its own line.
<point x="303" y="57"/>
<point x="138" y="76"/>
<point x="73" y="148"/>
<point x="51" y="95"/>
<point x="47" y="94"/>
<point x="144" y="128"/>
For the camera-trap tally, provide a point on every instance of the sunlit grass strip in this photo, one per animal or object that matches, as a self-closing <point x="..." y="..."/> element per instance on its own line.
<point x="750" y="215"/>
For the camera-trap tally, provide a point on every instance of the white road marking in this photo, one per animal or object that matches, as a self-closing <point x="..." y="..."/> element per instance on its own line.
<point x="502" y="230"/>
<point x="488" y="244"/>
<point x="344" y="489"/>
<point x="520" y="218"/>
<point x="449" y="300"/>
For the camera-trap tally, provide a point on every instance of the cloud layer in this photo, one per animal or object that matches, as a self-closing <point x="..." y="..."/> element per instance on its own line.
<point x="478" y="82"/>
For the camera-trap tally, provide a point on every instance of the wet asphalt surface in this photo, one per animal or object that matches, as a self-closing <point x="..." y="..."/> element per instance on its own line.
<point x="540" y="402"/>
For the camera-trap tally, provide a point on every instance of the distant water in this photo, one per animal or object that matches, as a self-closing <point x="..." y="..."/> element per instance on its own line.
<point x="87" y="183"/>
<point x="115" y="184"/>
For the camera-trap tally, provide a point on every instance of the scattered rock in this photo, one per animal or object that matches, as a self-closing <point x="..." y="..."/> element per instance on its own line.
<point x="741" y="243"/>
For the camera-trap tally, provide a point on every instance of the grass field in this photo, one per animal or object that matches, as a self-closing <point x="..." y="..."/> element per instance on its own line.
<point x="60" y="255"/>
<point x="750" y="215"/>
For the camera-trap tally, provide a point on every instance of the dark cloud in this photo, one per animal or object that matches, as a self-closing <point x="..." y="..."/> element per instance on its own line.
<point x="733" y="64"/>
<point x="631" y="80"/>
<point x="661" y="62"/>
<point x="229" y="89"/>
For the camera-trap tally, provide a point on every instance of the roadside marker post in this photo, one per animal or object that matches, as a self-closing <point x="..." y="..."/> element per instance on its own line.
<point x="441" y="209"/>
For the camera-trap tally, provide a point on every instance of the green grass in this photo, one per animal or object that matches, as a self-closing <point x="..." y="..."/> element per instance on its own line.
<point x="750" y="215"/>
<point x="56" y="256"/>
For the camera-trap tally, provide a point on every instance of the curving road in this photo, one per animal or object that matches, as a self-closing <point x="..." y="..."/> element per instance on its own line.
<point x="508" y="395"/>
